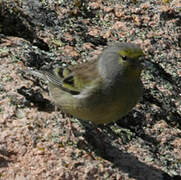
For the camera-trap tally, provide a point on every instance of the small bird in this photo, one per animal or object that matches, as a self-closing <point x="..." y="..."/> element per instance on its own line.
<point x="100" y="91"/>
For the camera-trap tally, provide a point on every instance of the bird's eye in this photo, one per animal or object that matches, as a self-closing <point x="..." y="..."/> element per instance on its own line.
<point x="124" y="58"/>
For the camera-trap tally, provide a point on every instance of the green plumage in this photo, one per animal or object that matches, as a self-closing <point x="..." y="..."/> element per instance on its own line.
<point x="100" y="91"/>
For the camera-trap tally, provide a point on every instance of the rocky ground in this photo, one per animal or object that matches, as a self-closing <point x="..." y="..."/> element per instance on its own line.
<point x="144" y="145"/>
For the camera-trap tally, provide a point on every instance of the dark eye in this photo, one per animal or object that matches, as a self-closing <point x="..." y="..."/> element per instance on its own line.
<point x="124" y="58"/>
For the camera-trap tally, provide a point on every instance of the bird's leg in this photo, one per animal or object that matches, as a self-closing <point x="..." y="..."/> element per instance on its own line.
<point x="70" y="129"/>
<point x="100" y="134"/>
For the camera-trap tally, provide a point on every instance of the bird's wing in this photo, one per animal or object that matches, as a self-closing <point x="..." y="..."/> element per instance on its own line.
<point x="72" y="79"/>
<point x="80" y="76"/>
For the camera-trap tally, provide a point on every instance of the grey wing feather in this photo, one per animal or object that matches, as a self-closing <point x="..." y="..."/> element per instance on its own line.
<point x="51" y="77"/>
<point x="45" y="75"/>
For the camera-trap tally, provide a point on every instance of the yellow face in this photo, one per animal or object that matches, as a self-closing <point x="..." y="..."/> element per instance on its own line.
<point x="129" y="58"/>
<point x="132" y="53"/>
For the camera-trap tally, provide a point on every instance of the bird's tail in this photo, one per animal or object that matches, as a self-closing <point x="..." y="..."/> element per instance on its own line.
<point x="49" y="76"/>
<point x="39" y="74"/>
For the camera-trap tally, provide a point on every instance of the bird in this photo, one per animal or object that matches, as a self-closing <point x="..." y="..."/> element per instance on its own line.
<point x="102" y="90"/>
